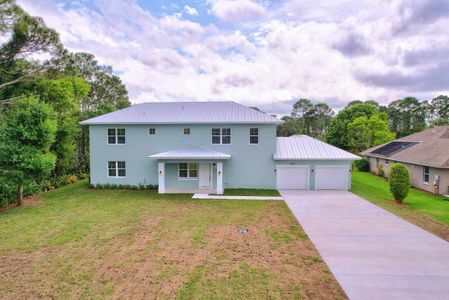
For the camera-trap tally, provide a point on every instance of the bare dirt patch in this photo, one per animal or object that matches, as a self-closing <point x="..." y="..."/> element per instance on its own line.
<point x="174" y="249"/>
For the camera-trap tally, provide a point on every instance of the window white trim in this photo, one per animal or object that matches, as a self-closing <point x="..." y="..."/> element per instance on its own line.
<point x="116" y="168"/>
<point x="188" y="171"/>
<point x="116" y="136"/>
<point x="221" y="135"/>
<point x="254" y="135"/>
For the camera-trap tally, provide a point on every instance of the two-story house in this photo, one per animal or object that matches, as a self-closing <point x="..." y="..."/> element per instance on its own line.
<point x="207" y="147"/>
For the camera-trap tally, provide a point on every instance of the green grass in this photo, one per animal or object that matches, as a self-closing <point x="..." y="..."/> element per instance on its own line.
<point x="251" y="192"/>
<point x="421" y="208"/>
<point x="78" y="242"/>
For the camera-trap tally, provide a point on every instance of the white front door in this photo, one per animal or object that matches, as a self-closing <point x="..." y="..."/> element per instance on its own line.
<point x="205" y="175"/>
<point x="292" y="177"/>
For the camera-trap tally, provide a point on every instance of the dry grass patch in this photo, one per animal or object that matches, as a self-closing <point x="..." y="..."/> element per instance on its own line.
<point x="82" y="243"/>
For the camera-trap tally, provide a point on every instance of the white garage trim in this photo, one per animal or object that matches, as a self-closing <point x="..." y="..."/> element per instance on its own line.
<point x="319" y="185"/>
<point x="278" y="186"/>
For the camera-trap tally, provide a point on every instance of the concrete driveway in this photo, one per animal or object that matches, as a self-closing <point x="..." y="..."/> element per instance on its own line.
<point x="372" y="253"/>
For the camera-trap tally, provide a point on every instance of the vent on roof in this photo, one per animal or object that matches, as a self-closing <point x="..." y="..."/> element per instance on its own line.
<point x="393" y="147"/>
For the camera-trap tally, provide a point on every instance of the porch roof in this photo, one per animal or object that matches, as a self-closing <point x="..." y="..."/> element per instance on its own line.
<point x="191" y="153"/>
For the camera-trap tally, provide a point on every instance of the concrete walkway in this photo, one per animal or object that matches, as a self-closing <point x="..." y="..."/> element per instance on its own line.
<point x="221" y="197"/>
<point x="372" y="253"/>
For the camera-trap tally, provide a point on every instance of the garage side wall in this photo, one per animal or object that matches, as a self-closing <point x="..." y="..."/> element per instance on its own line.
<point x="312" y="165"/>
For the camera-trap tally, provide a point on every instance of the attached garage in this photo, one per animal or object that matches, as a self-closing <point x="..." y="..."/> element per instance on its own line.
<point x="292" y="177"/>
<point x="331" y="177"/>
<point x="305" y="163"/>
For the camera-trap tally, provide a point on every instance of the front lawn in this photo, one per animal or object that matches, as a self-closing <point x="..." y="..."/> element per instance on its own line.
<point x="428" y="211"/>
<point x="251" y="192"/>
<point x="76" y="242"/>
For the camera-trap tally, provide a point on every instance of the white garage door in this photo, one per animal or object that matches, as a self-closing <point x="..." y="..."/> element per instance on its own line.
<point x="331" y="177"/>
<point x="292" y="177"/>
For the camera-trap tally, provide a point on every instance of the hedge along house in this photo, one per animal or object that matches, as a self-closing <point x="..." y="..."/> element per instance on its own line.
<point x="426" y="155"/>
<point x="207" y="147"/>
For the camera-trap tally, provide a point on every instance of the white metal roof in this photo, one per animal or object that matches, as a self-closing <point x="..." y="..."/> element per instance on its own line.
<point x="184" y="113"/>
<point x="191" y="153"/>
<point x="303" y="147"/>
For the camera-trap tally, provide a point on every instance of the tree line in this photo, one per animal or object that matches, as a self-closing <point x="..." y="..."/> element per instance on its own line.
<point x="45" y="90"/>
<point x="364" y="124"/>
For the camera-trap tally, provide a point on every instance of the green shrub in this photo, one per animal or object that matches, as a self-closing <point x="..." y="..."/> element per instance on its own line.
<point x="83" y="176"/>
<point x="380" y="170"/>
<point x="8" y="190"/>
<point x="362" y="165"/>
<point x="399" y="180"/>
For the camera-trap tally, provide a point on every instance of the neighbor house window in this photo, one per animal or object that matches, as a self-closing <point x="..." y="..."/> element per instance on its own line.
<point x="425" y="174"/>
<point x="188" y="170"/>
<point x="186" y="130"/>
<point x="254" y="135"/>
<point x="377" y="162"/>
<point x="152" y="131"/>
<point x="116" y="168"/>
<point x="221" y="135"/>
<point x="116" y="136"/>
<point x="387" y="162"/>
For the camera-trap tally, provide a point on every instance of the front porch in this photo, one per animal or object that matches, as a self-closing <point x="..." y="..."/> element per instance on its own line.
<point x="191" y="170"/>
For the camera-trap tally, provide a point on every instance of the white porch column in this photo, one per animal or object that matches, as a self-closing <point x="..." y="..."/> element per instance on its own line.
<point x="219" y="178"/>
<point x="161" y="176"/>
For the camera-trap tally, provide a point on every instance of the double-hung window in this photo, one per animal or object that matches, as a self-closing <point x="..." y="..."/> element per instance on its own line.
<point x="254" y="136"/>
<point x="116" y="169"/>
<point x="187" y="171"/>
<point x="221" y="135"/>
<point x="425" y="174"/>
<point x="116" y="136"/>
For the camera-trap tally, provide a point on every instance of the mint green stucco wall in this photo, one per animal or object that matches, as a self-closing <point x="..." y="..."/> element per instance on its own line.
<point x="251" y="166"/>
<point x="313" y="163"/>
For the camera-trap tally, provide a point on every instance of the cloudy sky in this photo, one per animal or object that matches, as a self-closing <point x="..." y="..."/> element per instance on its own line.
<point x="264" y="53"/>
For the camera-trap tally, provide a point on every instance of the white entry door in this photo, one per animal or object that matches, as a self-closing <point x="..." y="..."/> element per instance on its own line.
<point x="292" y="177"/>
<point x="205" y="175"/>
<point x="331" y="177"/>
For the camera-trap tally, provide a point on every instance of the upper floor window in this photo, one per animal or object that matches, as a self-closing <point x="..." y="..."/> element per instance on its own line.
<point x="116" y="136"/>
<point x="221" y="135"/>
<point x="187" y="171"/>
<point x="186" y="130"/>
<point x="152" y="131"/>
<point x="116" y="169"/>
<point x="425" y="173"/>
<point x="254" y="135"/>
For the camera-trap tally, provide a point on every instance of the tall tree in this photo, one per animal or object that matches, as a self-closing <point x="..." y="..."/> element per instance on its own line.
<point x="26" y="134"/>
<point x="26" y="37"/>
<point x="367" y="132"/>
<point x="307" y="118"/>
<point x="65" y="96"/>
<point x="439" y="110"/>
<point x="338" y="134"/>
<point x="407" y="116"/>
<point x="105" y="87"/>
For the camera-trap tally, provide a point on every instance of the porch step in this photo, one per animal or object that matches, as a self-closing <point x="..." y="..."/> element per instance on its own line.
<point x="218" y="197"/>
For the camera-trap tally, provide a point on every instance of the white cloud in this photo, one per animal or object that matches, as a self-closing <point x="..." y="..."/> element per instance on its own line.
<point x="237" y="10"/>
<point x="348" y="53"/>
<point x="190" y="10"/>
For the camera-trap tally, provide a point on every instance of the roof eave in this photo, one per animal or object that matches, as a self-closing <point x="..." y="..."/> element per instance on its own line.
<point x="173" y="123"/>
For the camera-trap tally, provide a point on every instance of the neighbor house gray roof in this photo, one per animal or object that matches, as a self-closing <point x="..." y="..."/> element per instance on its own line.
<point x="431" y="149"/>
<point x="184" y="113"/>
<point x="191" y="153"/>
<point x="303" y="147"/>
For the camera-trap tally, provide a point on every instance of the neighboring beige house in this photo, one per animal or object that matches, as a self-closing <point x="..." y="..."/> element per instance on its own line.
<point x="426" y="154"/>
